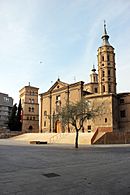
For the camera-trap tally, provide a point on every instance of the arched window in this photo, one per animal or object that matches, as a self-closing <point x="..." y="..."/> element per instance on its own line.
<point x="108" y="57"/>
<point x="103" y="87"/>
<point x="105" y="120"/>
<point x="109" y="88"/>
<point x="103" y="73"/>
<point x="45" y="113"/>
<point x="44" y="123"/>
<point x="109" y="72"/>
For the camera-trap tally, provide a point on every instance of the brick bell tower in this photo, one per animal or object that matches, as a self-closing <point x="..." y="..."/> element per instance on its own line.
<point x="106" y="66"/>
<point x="30" y="108"/>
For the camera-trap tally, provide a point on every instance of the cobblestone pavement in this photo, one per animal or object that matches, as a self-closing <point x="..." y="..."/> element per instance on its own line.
<point x="63" y="170"/>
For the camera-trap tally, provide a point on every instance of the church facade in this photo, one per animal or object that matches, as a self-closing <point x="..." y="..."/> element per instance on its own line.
<point x="100" y="90"/>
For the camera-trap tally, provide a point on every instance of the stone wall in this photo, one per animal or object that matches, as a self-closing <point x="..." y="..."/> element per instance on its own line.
<point x="114" y="138"/>
<point x="7" y="133"/>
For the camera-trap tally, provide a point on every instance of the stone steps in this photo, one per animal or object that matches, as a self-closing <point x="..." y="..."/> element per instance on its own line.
<point x="61" y="138"/>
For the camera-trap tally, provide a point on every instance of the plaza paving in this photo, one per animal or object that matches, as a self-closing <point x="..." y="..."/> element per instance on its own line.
<point x="63" y="170"/>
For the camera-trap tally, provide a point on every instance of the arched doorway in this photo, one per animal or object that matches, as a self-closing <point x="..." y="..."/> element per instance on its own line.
<point x="30" y="127"/>
<point x="58" y="127"/>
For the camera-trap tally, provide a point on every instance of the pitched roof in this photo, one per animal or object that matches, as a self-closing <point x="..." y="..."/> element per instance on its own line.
<point x="57" y="84"/>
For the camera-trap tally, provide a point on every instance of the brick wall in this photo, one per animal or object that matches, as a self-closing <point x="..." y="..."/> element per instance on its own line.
<point x="114" y="138"/>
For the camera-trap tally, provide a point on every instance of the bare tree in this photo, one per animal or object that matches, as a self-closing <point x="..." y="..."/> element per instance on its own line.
<point x="77" y="113"/>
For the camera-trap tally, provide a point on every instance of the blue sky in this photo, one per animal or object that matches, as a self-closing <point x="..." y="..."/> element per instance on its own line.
<point x="41" y="40"/>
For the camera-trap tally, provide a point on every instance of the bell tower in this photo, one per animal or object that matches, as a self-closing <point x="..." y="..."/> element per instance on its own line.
<point x="30" y="108"/>
<point x="106" y="66"/>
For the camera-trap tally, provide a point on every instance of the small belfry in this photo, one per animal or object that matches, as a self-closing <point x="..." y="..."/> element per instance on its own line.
<point x="106" y="66"/>
<point x="94" y="75"/>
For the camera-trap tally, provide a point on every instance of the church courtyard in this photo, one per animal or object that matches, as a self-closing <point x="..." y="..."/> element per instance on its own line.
<point x="63" y="170"/>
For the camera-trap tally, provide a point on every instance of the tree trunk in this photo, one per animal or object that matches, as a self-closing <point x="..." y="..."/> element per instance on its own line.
<point x="76" y="140"/>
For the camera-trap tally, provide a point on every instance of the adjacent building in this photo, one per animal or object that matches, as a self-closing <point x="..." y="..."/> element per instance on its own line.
<point x="6" y="104"/>
<point x="101" y="90"/>
<point x="30" y="109"/>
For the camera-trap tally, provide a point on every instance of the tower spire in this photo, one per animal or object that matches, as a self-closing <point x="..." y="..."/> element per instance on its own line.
<point x="105" y="31"/>
<point x="94" y="75"/>
<point x="93" y="69"/>
<point x="105" y="36"/>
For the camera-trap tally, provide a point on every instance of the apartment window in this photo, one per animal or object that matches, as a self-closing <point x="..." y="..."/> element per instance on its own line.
<point x="32" y="109"/>
<point x="6" y="99"/>
<point x="122" y="101"/>
<point x="32" y="101"/>
<point x="34" y="118"/>
<point x="27" y="118"/>
<point x="30" y="118"/>
<point x="102" y="58"/>
<point x="29" y="109"/>
<point x="122" y="114"/>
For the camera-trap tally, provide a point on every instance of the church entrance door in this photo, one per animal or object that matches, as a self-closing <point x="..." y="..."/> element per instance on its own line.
<point x="58" y="126"/>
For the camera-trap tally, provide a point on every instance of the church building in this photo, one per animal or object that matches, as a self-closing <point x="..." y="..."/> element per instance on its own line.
<point x="100" y="90"/>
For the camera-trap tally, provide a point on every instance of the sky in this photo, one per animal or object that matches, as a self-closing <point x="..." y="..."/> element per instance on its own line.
<point x="43" y="40"/>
